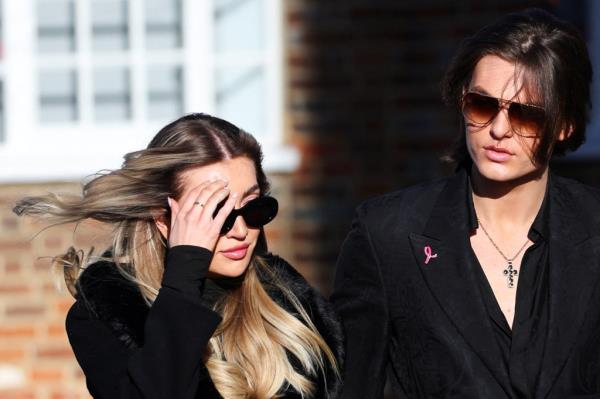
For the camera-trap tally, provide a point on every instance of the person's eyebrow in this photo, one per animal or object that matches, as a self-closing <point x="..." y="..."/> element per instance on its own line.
<point x="480" y="90"/>
<point x="251" y="190"/>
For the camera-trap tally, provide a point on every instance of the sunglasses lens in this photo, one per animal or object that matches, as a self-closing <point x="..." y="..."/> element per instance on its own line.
<point x="479" y="109"/>
<point x="526" y="119"/>
<point x="256" y="213"/>
<point x="260" y="211"/>
<point x="229" y="222"/>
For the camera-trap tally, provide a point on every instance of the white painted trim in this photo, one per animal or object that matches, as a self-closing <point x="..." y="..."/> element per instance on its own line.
<point x="34" y="151"/>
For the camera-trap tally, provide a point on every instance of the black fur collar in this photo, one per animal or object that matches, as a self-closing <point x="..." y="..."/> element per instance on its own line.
<point x="112" y="298"/>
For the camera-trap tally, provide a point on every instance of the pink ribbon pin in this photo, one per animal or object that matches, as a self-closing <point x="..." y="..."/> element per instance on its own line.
<point x="428" y="253"/>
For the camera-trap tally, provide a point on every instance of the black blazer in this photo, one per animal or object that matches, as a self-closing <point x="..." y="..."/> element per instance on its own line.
<point x="129" y="350"/>
<point x="427" y="324"/>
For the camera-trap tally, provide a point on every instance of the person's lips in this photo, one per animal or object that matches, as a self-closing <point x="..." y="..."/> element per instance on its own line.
<point x="497" y="154"/>
<point x="236" y="253"/>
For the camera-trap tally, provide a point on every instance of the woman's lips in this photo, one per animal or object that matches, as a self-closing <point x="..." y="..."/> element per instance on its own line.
<point x="495" y="154"/>
<point x="236" y="253"/>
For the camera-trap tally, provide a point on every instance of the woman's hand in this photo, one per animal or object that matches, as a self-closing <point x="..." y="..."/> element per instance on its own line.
<point x="192" y="220"/>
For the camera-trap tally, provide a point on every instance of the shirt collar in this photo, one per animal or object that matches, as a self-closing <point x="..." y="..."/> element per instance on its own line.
<point x="539" y="229"/>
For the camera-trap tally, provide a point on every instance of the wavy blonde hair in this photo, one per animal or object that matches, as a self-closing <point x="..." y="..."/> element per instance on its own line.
<point x="247" y="356"/>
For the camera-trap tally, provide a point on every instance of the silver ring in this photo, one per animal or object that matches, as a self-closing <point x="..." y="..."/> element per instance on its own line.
<point x="198" y="203"/>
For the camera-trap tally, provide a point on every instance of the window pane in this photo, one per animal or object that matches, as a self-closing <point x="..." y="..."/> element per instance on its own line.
<point x="56" y="26"/>
<point x="165" y="89"/>
<point x="163" y="24"/>
<point x="58" y="95"/>
<point x="240" y="97"/>
<point x="238" y="25"/>
<point x="112" y="95"/>
<point x="110" y="27"/>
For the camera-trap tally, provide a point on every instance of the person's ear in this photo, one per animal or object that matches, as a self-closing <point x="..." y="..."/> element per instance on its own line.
<point x="162" y="223"/>
<point x="162" y="226"/>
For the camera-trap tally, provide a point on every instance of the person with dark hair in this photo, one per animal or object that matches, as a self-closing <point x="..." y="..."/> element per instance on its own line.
<point x="188" y="302"/>
<point x="484" y="284"/>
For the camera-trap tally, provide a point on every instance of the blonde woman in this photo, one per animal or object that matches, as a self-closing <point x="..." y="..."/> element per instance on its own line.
<point x="187" y="302"/>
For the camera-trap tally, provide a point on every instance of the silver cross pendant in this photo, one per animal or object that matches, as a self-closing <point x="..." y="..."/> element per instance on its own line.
<point x="510" y="273"/>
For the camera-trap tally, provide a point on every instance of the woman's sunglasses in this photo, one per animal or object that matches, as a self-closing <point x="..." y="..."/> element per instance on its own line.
<point x="256" y="213"/>
<point x="525" y="119"/>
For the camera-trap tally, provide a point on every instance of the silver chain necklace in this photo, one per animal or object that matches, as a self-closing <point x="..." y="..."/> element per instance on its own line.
<point x="509" y="272"/>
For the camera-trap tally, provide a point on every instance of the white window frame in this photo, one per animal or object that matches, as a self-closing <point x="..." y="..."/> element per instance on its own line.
<point x="35" y="151"/>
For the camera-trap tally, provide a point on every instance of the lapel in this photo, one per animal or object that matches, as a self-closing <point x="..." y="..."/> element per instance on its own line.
<point x="573" y="274"/>
<point x="451" y="275"/>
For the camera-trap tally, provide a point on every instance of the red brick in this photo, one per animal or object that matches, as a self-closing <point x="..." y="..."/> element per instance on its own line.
<point x="11" y="355"/>
<point x="7" y="332"/>
<point x="12" y="266"/>
<point x="15" y="245"/>
<point x="13" y="289"/>
<point x="25" y="310"/>
<point x="56" y="330"/>
<point x="17" y="395"/>
<point x="10" y="223"/>
<point x="46" y="375"/>
<point x="64" y="395"/>
<point x="61" y="353"/>
<point x="63" y="305"/>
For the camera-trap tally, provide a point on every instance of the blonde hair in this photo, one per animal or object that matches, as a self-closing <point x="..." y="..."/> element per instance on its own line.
<point x="247" y="356"/>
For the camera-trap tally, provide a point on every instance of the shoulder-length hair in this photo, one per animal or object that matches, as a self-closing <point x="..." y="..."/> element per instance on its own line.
<point x="553" y="60"/>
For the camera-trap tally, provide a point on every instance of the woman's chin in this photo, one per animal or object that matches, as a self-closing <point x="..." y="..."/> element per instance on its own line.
<point x="228" y="268"/>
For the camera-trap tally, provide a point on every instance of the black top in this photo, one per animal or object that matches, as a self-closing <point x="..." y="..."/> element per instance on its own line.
<point x="128" y="349"/>
<point x="410" y="300"/>
<point x="523" y="347"/>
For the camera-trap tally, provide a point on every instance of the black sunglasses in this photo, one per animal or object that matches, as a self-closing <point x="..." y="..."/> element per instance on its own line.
<point x="525" y="119"/>
<point x="256" y="213"/>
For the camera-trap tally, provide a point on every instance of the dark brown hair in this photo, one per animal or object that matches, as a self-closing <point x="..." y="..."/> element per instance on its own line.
<point x="557" y="72"/>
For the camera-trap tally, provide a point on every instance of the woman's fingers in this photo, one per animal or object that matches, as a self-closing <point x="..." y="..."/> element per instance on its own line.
<point x="197" y="197"/>
<point x="225" y="211"/>
<point x="212" y="203"/>
<point x="192" y="220"/>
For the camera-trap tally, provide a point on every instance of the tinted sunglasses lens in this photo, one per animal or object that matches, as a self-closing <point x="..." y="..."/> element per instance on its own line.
<point x="256" y="213"/>
<point x="526" y="119"/>
<point x="229" y="222"/>
<point x="479" y="109"/>
<point x="260" y="211"/>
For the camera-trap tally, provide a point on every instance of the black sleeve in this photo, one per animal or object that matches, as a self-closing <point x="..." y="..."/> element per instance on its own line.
<point x="176" y="332"/>
<point x="359" y="298"/>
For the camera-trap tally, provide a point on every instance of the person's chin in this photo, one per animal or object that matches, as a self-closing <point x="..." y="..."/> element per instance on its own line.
<point x="505" y="172"/>
<point x="229" y="268"/>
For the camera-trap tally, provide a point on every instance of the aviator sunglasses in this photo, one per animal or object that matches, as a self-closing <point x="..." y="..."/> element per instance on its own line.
<point x="525" y="119"/>
<point x="256" y="213"/>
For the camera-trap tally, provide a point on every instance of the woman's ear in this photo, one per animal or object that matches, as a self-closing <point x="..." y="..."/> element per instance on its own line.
<point x="162" y="224"/>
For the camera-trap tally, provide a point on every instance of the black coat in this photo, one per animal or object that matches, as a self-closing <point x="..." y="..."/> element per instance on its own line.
<point x="426" y="323"/>
<point x="129" y="350"/>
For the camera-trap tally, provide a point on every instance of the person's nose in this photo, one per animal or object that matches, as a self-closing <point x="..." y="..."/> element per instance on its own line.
<point x="500" y="126"/>
<point x="239" y="230"/>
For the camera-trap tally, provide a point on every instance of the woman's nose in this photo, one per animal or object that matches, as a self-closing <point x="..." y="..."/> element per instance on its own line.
<point x="239" y="229"/>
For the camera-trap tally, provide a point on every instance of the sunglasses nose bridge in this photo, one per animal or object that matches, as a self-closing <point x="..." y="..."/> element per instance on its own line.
<point x="500" y="124"/>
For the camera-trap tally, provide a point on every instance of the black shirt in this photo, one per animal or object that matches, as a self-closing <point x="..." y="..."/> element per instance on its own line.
<point x="523" y="347"/>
